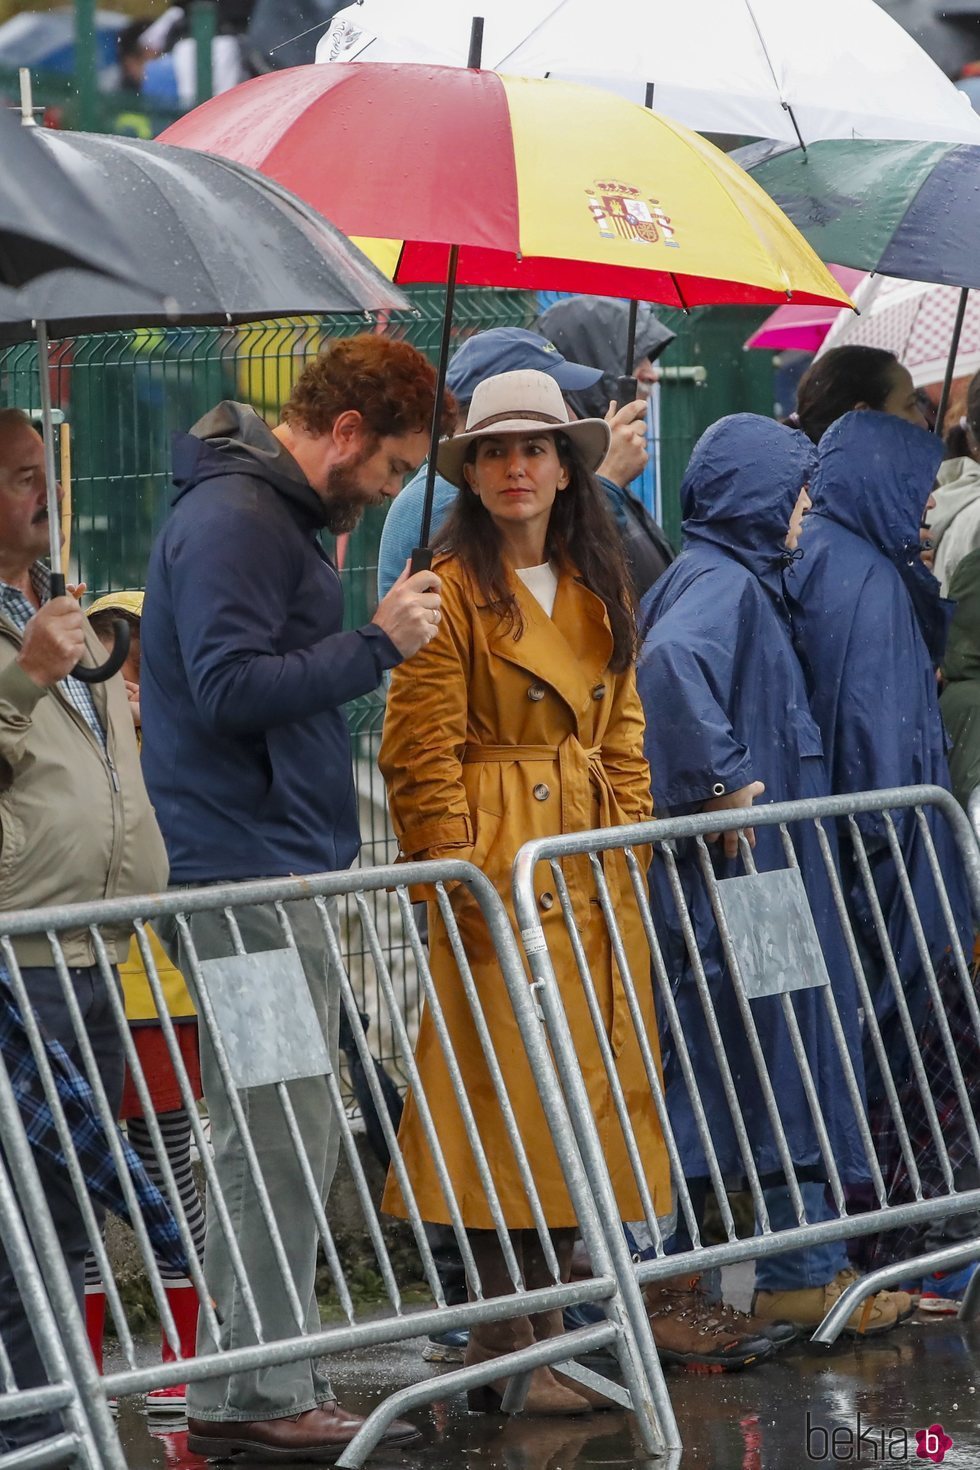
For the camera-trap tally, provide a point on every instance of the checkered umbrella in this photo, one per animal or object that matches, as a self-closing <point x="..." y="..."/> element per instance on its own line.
<point x="915" y="321"/>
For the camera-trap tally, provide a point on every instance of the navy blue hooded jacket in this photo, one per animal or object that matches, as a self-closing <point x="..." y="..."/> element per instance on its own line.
<point x="726" y="704"/>
<point x="245" y="667"/>
<point x="873" y="630"/>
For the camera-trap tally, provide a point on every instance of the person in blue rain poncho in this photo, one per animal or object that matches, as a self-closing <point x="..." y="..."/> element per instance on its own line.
<point x="727" y="718"/>
<point x="872" y="633"/>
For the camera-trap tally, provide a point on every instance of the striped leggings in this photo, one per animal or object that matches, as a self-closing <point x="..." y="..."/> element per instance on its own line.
<point x="175" y="1129"/>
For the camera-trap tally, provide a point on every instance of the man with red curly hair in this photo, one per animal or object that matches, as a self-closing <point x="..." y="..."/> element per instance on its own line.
<point x="246" y="669"/>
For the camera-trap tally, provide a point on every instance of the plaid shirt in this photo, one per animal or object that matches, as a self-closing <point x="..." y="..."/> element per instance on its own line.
<point x="87" y="1133"/>
<point x="16" y="606"/>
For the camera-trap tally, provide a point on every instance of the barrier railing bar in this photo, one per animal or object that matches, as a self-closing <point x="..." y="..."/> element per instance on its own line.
<point x="206" y="1014"/>
<point x="901" y="1003"/>
<point x="669" y="857"/>
<point x="873" y="1029"/>
<point x="666" y="1000"/>
<point x="837" y="1028"/>
<point x="426" y="1119"/>
<point x="216" y="1199"/>
<point x="751" y="1031"/>
<point x="76" y="1175"/>
<point x="387" y="1128"/>
<point x="163" y="1160"/>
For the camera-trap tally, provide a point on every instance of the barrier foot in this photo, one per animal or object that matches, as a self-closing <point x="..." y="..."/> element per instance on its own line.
<point x="946" y="1259"/>
<point x="54" y="1452"/>
<point x="541" y="1354"/>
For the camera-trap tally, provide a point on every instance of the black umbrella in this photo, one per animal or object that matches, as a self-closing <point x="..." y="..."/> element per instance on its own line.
<point x="46" y="221"/>
<point x="224" y="244"/>
<point x="221" y="243"/>
<point x="49" y="223"/>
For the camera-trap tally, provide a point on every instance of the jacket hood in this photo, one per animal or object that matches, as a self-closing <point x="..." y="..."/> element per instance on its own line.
<point x="742" y="482"/>
<point x="958" y="487"/>
<point x="594" y="330"/>
<point x="234" y="432"/>
<point x="875" y="474"/>
<point x="962" y="659"/>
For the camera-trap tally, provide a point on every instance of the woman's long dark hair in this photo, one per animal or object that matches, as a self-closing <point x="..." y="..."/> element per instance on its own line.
<point x="581" y="533"/>
<point x="838" y="382"/>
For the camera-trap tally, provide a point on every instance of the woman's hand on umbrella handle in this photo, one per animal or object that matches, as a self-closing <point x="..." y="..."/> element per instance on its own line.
<point x="743" y="797"/>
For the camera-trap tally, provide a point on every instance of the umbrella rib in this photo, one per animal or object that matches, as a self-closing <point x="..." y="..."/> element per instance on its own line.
<point x="680" y="293"/>
<point x="533" y="31"/>
<point x="765" y="52"/>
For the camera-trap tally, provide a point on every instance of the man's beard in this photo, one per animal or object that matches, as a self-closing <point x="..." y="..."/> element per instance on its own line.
<point x="348" y="500"/>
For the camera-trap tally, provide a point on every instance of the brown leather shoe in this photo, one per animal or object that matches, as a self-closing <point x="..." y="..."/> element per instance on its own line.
<point x="316" y="1437"/>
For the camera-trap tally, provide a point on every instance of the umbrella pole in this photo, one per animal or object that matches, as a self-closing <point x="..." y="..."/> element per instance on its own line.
<point x="422" y="555"/>
<point x="120" y="647"/>
<point x="50" y="472"/>
<point x="631" y="323"/>
<point x="954" y="348"/>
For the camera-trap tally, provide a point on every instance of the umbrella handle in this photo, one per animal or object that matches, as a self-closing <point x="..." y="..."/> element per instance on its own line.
<point x="421" y="560"/>
<point x="120" y="646"/>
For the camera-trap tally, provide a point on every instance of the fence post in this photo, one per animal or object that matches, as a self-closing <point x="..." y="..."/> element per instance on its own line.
<point x="204" y="28"/>
<point x="86" y="68"/>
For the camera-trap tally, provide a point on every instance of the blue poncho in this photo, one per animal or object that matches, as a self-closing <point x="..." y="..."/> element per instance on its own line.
<point x="872" y="634"/>
<point x="726" y="704"/>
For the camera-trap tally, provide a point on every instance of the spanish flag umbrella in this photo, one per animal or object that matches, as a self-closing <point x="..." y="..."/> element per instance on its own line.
<point x="458" y="175"/>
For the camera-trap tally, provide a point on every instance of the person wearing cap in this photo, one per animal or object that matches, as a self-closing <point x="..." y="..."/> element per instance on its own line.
<point x="157" y="1067"/>
<point x="504" y="350"/>
<point x="520" y="720"/>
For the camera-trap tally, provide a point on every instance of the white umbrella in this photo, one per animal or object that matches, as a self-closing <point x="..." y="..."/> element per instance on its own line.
<point x="916" y="322"/>
<point x="783" y="69"/>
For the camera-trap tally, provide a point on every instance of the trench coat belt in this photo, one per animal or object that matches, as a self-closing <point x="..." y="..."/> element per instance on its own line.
<point x="570" y="756"/>
<point x="495" y="755"/>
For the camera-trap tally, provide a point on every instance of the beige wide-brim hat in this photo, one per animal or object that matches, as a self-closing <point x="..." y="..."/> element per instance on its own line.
<point x="521" y="403"/>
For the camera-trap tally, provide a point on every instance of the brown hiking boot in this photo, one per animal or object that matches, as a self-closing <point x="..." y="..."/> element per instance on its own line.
<point x="743" y="1324"/>
<point x="808" y="1307"/>
<point x="691" y="1332"/>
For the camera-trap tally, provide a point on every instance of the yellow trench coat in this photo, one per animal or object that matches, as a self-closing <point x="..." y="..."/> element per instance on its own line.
<point x="455" y="790"/>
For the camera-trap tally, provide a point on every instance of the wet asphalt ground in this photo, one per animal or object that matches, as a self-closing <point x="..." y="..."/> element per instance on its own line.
<point x="780" y="1415"/>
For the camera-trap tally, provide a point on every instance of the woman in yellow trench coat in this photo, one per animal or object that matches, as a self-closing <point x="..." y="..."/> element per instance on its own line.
<point x="520" y="719"/>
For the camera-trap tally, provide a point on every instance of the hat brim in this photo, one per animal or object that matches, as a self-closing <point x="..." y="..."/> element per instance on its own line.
<point x="591" y="438"/>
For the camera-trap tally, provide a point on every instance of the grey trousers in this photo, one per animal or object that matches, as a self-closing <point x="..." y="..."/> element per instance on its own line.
<point x="292" y="1388"/>
<point x="49" y="1007"/>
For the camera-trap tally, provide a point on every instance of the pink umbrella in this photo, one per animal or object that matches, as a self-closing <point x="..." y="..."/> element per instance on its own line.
<point x="803" y="328"/>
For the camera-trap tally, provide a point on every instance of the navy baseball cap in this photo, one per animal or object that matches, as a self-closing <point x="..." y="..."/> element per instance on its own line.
<point x="509" y="350"/>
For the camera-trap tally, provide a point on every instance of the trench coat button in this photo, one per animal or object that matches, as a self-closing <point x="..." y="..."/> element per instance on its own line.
<point x="541" y="792"/>
<point x="547" y="901"/>
<point x="599" y="692"/>
<point x="718" y="789"/>
<point x="536" y="692"/>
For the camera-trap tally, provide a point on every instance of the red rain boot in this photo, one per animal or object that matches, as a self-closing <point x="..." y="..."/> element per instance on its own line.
<point x="95" y="1321"/>
<point x="183" y="1304"/>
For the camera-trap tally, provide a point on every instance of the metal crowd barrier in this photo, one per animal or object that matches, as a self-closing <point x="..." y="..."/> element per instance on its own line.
<point x="256" y="1015"/>
<point x="541" y="865"/>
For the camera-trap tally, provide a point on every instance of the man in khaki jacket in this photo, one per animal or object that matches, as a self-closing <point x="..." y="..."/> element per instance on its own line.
<point x="76" y="826"/>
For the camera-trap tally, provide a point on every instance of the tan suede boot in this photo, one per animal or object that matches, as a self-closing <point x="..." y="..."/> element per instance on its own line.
<point x="550" y="1324"/>
<point x="490" y="1340"/>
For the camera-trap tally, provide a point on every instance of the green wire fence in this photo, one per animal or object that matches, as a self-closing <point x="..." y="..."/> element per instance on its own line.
<point x="123" y="394"/>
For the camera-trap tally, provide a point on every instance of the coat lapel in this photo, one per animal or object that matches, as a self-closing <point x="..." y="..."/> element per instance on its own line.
<point x="568" y="651"/>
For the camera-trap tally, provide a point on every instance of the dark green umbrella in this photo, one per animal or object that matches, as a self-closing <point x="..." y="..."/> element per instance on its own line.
<point x="910" y="210"/>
